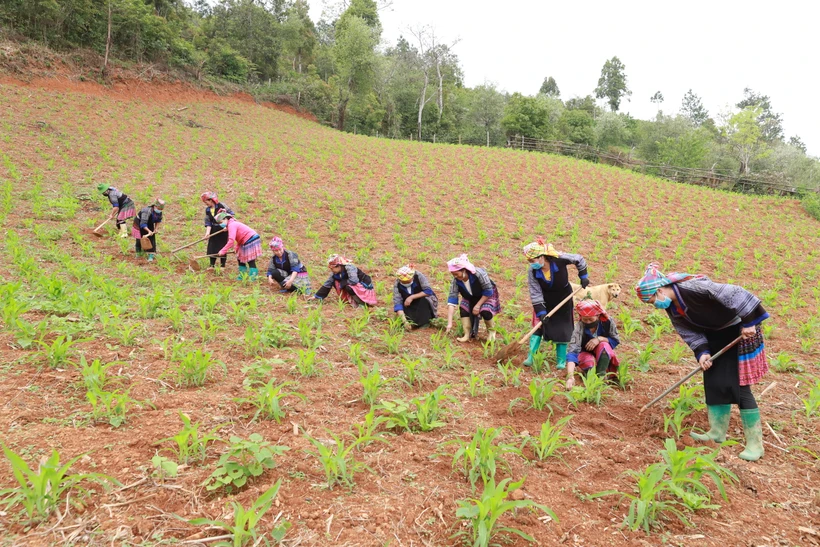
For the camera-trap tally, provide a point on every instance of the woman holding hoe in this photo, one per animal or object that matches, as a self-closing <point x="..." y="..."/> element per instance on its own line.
<point x="122" y="207"/>
<point x="479" y="298"/>
<point x="146" y="224"/>
<point x="212" y="208"/>
<point x="548" y="281"/>
<point x="711" y="316"/>
<point x="247" y="242"/>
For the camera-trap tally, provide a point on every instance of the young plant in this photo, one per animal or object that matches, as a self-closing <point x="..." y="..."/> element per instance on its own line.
<point x="58" y="352"/>
<point x="510" y="374"/>
<point x="189" y="445"/>
<point x="811" y="404"/>
<point x="306" y="363"/>
<point x="542" y="391"/>
<point x="111" y="406"/>
<point x="480" y="457"/>
<point x="355" y="356"/>
<point x="193" y="369"/>
<point x="682" y="406"/>
<point x="392" y="340"/>
<point x="267" y="398"/>
<point x="592" y="390"/>
<point x="550" y="441"/>
<point x="482" y="514"/>
<point x="372" y="384"/>
<point x="243" y="460"/>
<point x="476" y="384"/>
<point x="243" y="527"/>
<point x="337" y="459"/>
<point x="412" y="372"/>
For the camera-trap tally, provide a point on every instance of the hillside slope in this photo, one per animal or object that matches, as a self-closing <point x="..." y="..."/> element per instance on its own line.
<point x="383" y="203"/>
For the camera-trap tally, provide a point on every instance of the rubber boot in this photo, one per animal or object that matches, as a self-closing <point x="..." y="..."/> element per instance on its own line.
<point x="535" y="343"/>
<point x="466" y="326"/>
<point x="753" y="430"/>
<point x="560" y="356"/>
<point x="243" y="273"/>
<point x="253" y="273"/>
<point x="150" y="257"/>
<point x="718" y="424"/>
<point x="123" y="230"/>
<point x="603" y="364"/>
<point x="475" y="322"/>
<point x="490" y="330"/>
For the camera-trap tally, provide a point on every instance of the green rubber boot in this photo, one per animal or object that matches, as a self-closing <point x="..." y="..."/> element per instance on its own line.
<point x="243" y="273"/>
<point x="753" y="430"/>
<point x="253" y="273"/>
<point x="535" y="343"/>
<point x="718" y="424"/>
<point x="560" y="356"/>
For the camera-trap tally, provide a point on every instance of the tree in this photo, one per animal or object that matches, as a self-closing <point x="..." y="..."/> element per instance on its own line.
<point x="657" y="99"/>
<point x="693" y="110"/>
<point x="354" y="53"/>
<point x="299" y="35"/>
<point x="611" y="130"/>
<point x="487" y="108"/>
<point x="577" y="126"/>
<point x="432" y="58"/>
<point x="550" y="88"/>
<point x="612" y="84"/>
<point x="771" y="123"/>
<point x="745" y="136"/>
<point x="797" y="142"/>
<point x="535" y="117"/>
<point x="584" y="103"/>
<point x="688" y="150"/>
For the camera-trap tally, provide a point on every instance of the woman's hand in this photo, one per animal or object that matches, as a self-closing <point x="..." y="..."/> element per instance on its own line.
<point x="288" y="284"/>
<point x="705" y="361"/>
<point x="592" y="344"/>
<point x="449" y="325"/>
<point x="570" y="381"/>
<point x="748" y="332"/>
<point x="477" y="309"/>
<point x="408" y="301"/>
<point x="270" y="281"/>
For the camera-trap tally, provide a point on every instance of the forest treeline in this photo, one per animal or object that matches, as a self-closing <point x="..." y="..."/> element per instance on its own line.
<point x="340" y="69"/>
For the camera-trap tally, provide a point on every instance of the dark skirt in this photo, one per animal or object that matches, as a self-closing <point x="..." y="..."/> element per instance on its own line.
<point x="216" y="243"/>
<point x="721" y="382"/>
<point x="560" y="326"/>
<point x="419" y="312"/>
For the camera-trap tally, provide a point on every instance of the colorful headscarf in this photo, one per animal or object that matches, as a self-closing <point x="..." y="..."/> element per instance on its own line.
<point x="102" y="188"/>
<point x="159" y="204"/>
<point x="460" y="263"/>
<point x="337" y="260"/>
<point x="209" y="196"/>
<point x="276" y="243"/>
<point x="222" y="215"/>
<point x="653" y="279"/>
<point x="591" y="308"/>
<point x="405" y="274"/>
<point x="540" y="248"/>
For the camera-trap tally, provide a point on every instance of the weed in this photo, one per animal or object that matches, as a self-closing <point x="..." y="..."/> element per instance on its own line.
<point x="243" y="460"/>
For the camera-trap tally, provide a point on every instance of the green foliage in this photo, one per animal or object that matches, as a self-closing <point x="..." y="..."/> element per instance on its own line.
<point x="811" y="203"/>
<point x="243" y="460"/>
<point x="40" y="491"/>
<point x="612" y="84"/>
<point x="542" y="391"/>
<point x="268" y="397"/>
<point x="480" y="457"/>
<point x="684" y="405"/>
<point x="193" y="368"/>
<point x="811" y="403"/>
<point x="592" y="390"/>
<point x="482" y="514"/>
<point x="57" y="353"/>
<point x="550" y="440"/>
<point x="245" y="521"/>
<point x="372" y="384"/>
<point x="535" y="117"/>
<point x="189" y="445"/>
<point x="421" y="413"/>
<point x="337" y="459"/>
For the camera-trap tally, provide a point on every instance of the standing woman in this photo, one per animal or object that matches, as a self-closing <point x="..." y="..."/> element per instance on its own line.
<point x="247" y="242"/>
<point x="122" y="207"/>
<point x="548" y="281"/>
<point x="479" y="298"/>
<point x="212" y="208"/>
<point x="351" y="284"/>
<point x="413" y="298"/>
<point x="286" y="269"/>
<point x="146" y="224"/>
<point x="708" y="316"/>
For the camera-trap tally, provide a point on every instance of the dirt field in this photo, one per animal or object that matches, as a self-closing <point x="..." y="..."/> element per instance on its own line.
<point x="383" y="203"/>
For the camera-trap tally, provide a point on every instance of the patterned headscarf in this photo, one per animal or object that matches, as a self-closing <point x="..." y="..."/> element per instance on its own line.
<point x="653" y="279"/>
<point x="540" y="248"/>
<point x="460" y="263"/>
<point x="276" y="243"/>
<point x="209" y="196"/>
<point x="102" y="188"/>
<point x="591" y="308"/>
<point x="337" y="260"/>
<point x="222" y="215"/>
<point x="405" y="273"/>
<point x="159" y="204"/>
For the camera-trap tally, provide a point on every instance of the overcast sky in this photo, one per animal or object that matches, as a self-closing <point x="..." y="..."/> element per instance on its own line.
<point x="716" y="48"/>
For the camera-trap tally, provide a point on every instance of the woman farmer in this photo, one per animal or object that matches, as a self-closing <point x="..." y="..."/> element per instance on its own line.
<point x="709" y="316"/>
<point x="351" y="284"/>
<point x="122" y="207"/>
<point x="286" y="269"/>
<point x="593" y="342"/>
<point x="212" y="208"/>
<point x="548" y="281"/>
<point x="247" y="242"/>
<point x="146" y="224"/>
<point x="413" y="298"/>
<point x="479" y="298"/>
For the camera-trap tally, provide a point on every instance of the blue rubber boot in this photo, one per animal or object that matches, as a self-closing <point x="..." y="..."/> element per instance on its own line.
<point x="243" y="273"/>
<point x="253" y="273"/>
<point x="719" y="416"/>
<point x="560" y="356"/>
<point x="753" y="430"/>
<point x="535" y="343"/>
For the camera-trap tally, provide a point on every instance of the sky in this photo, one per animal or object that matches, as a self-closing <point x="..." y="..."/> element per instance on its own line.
<point x="715" y="48"/>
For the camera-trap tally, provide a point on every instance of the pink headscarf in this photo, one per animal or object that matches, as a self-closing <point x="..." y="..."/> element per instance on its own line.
<point x="591" y="308"/>
<point x="276" y="243"/>
<point x="460" y="263"/>
<point x="209" y="196"/>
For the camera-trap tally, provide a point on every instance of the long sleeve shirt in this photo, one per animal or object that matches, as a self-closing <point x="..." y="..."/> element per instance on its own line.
<point x="582" y="334"/>
<point x="553" y="277"/>
<point x="420" y="284"/>
<point x="478" y="283"/>
<point x="288" y="263"/>
<point x="211" y="212"/>
<point x="238" y="234"/>
<point x="350" y="275"/>
<point x="117" y="199"/>
<point x="147" y="219"/>
<point x="704" y="305"/>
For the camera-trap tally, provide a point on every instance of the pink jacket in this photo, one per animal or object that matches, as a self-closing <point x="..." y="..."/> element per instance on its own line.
<point x="238" y="234"/>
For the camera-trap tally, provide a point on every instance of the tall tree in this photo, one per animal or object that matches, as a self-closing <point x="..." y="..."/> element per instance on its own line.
<point x="535" y="117"/>
<point x="612" y="84"/>
<point x="657" y="99"/>
<point x="771" y="123"/>
<point x="487" y="108"/>
<point x="797" y="142"/>
<point x="432" y="58"/>
<point x="550" y="88"/>
<point x="746" y="136"/>
<point x="693" y="110"/>
<point x="354" y="53"/>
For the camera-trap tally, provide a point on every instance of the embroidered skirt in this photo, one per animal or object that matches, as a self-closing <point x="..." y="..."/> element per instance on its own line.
<point x="587" y="359"/>
<point x="492" y="304"/>
<point x="128" y="211"/>
<point x="251" y="250"/>
<point x="751" y="359"/>
<point x="365" y="295"/>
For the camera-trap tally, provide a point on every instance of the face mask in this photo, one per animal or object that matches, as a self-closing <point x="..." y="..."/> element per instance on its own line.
<point x="661" y="302"/>
<point x="223" y="224"/>
<point x="536" y="265"/>
<point x="406" y="285"/>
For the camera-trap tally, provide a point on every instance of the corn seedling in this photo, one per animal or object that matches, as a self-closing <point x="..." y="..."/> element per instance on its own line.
<point x="510" y="374"/>
<point x="644" y="358"/>
<point x="242" y="529"/>
<point x="625" y="377"/>
<point x="542" y="391"/>
<point x="337" y="459"/>
<point x="310" y="334"/>
<point x="40" y="491"/>
<point x="392" y="340"/>
<point x="811" y="404"/>
<point x="192" y="370"/>
<point x="682" y="406"/>
<point x="355" y="356"/>
<point x="306" y="363"/>
<point x="243" y="460"/>
<point x="476" y="384"/>
<point x="784" y="362"/>
<point x="367" y="430"/>
<point x="550" y="441"/>
<point x="592" y="390"/>
<point x="479" y="458"/>
<point x="273" y="335"/>
<point x="482" y="514"/>
<point x="356" y="326"/>
<point x="412" y="370"/>
<point x="58" y="352"/>
<point x="189" y="445"/>
<point x="267" y="398"/>
<point x="372" y="384"/>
